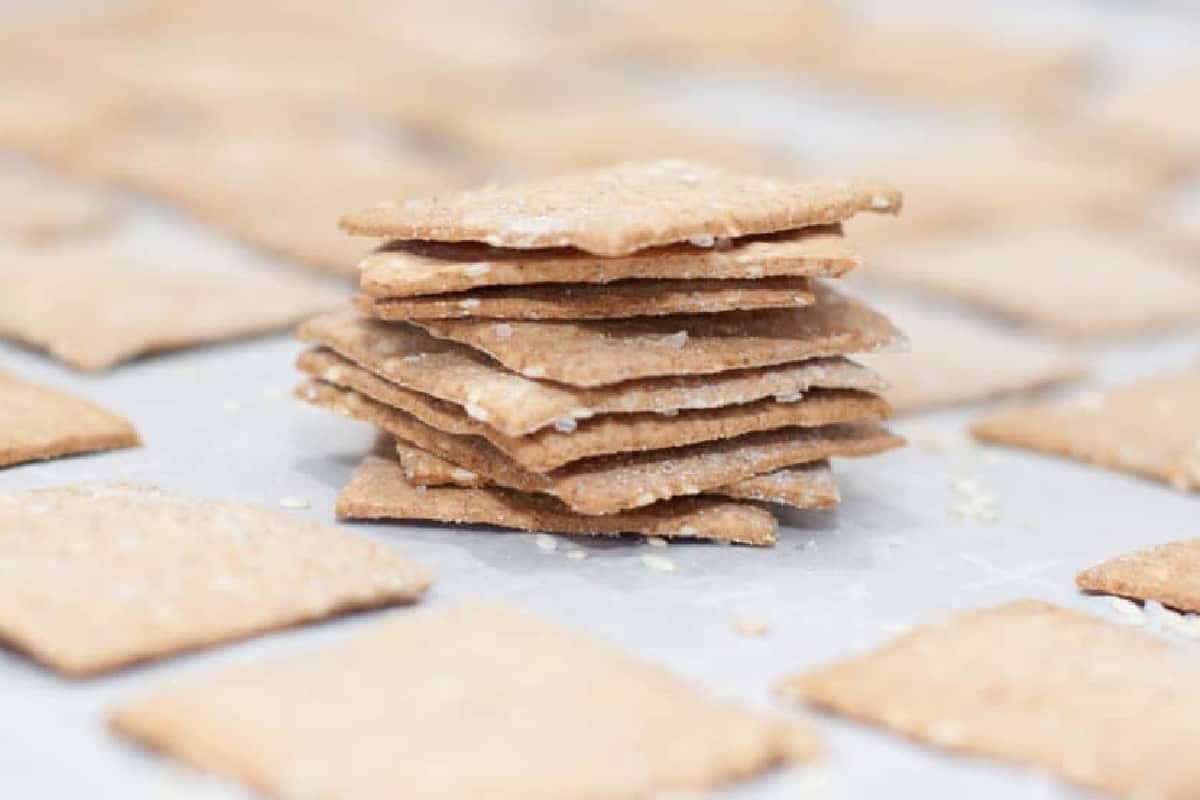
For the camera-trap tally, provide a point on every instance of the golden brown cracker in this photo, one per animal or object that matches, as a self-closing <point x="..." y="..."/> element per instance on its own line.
<point x="515" y="405"/>
<point x="600" y="352"/>
<point x="574" y="301"/>
<point x="406" y="269"/>
<point x="480" y="699"/>
<point x="39" y="422"/>
<point x="1033" y="684"/>
<point x="106" y="575"/>
<point x="616" y="483"/>
<point x="1166" y="573"/>
<point x="380" y="490"/>
<point x="1151" y="427"/>
<point x="421" y="468"/>
<point x="551" y="448"/>
<point x="617" y="210"/>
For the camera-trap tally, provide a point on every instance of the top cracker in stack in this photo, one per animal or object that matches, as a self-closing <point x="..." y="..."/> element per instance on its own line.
<point x="640" y="348"/>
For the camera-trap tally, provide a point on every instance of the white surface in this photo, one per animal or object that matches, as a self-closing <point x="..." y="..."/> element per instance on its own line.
<point x="219" y="422"/>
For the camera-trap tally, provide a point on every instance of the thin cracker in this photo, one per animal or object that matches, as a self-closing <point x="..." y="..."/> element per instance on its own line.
<point x="1166" y="573"/>
<point x="37" y="208"/>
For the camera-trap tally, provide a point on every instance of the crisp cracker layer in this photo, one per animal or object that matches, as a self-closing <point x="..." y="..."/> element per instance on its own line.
<point x="1166" y="573"/>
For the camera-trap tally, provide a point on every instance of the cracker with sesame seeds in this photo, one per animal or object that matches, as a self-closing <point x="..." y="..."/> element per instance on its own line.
<point x="1096" y="703"/>
<point x="956" y="360"/>
<point x="623" y="299"/>
<point x="482" y="700"/>
<point x="422" y="468"/>
<point x="1151" y="428"/>
<point x="407" y="269"/>
<point x="614" y="483"/>
<point x="100" y="576"/>
<point x="550" y="448"/>
<point x="93" y="310"/>
<point x="1166" y="573"/>
<point x="39" y="422"/>
<point x="516" y="405"/>
<point x="618" y="210"/>
<point x="380" y="490"/>
<point x="600" y="352"/>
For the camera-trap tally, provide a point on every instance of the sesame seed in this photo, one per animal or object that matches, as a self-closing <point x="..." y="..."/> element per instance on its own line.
<point x="546" y="542"/>
<point x="293" y="501"/>
<point x="576" y="554"/>
<point x="751" y="627"/>
<point x="503" y="330"/>
<point x="656" y="541"/>
<point x="657" y="563"/>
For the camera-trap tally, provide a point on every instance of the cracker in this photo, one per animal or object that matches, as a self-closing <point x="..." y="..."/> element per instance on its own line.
<point x="1070" y="281"/>
<point x="629" y="480"/>
<point x="379" y="490"/>
<point x="93" y="310"/>
<point x="551" y="448"/>
<point x="105" y="575"/>
<point x="483" y="701"/>
<point x="37" y="208"/>
<point x="425" y="469"/>
<point x="1148" y="119"/>
<point x="618" y="210"/>
<point x="599" y="352"/>
<point x="1151" y="428"/>
<point x="39" y="422"/>
<point x="599" y="301"/>
<point x="516" y="405"/>
<point x="1098" y="704"/>
<point x="1166" y="573"/>
<point x="406" y="269"/>
<point x="956" y="360"/>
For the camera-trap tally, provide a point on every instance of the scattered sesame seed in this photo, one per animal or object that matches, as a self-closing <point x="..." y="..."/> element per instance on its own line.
<point x="676" y="339"/>
<point x="546" y="542"/>
<point x="656" y="541"/>
<point x="658" y="563"/>
<point x="470" y="302"/>
<point x="703" y="240"/>
<point x="475" y="270"/>
<point x="577" y="554"/>
<point x="293" y="501"/>
<point x="503" y="330"/>
<point x="460" y="474"/>
<point x="565" y="424"/>
<point x="879" y="202"/>
<point x="751" y="627"/>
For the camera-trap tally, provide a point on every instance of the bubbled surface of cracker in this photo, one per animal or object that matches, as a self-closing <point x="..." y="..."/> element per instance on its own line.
<point x="1166" y="573"/>
<point x="406" y="269"/>
<point x="106" y="575"/>
<point x="516" y="405"/>
<point x="380" y="490"/>
<point x="551" y="448"/>
<point x="620" y="300"/>
<point x="618" y="210"/>
<point x="1150" y="428"/>
<point x="483" y="701"/>
<point x="39" y="422"/>
<point x="600" y="352"/>
<point x="609" y="484"/>
<point x="1095" y="703"/>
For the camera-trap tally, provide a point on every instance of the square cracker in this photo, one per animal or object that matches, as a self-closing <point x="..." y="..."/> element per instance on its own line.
<point x="629" y="480"/>
<point x="1069" y="281"/>
<point x="1095" y="703"/>
<point x="956" y="360"/>
<point x="1166" y="573"/>
<point x="620" y="209"/>
<point x="104" y="575"/>
<point x="551" y="448"/>
<point x="599" y="352"/>
<point x="516" y="405"/>
<point x="93" y="309"/>
<point x="380" y="490"/>
<point x="482" y="701"/>
<point x="39" y="422"/>
<point x="623" y="299"/>
<point x="406" y="269"/>
<point x="809" y="486"/>
<point x="1151" y="428"/>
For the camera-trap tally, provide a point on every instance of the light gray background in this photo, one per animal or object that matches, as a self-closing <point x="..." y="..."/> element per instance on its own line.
<point x="219" y="422"/>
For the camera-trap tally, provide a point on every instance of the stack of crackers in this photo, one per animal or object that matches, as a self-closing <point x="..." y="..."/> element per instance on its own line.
<point x="643" y="348"/>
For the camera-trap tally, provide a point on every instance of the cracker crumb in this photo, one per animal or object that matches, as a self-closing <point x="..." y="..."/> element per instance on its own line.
<point x="657" y="563"/>
<point x="751" y="627"/>
<point x="656" y="541"/>
<point x="293" y="501"/>
<point x="545" y="542"/>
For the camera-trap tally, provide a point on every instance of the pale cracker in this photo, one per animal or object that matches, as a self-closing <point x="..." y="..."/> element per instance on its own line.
<point x="600" y="352"/>
<point x="551" y="448"/>
<point x="38" y="208"/>
<point x="380" y="490"/>
<point x="620" y="209"/>
<point x="1166" y="573"/>
<point x="104" y="575"/>
<point x="573" y="301"/>
<point x="1155" y="120"/>
<point x="1071" y="281"/>
<point x="1096" y="703"/>
<point x="615" y="483"/>
<point x="1151" y="427"/>
<point x="406" y="269"/>
<point x="39" y="422"/>
<point x="94" y="310"/>
<point x="482" y="701"/>
<point x="956" y="360"/>
<point x="516" y="405"/>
